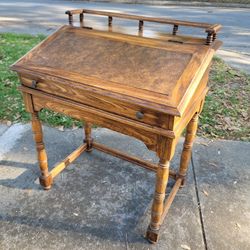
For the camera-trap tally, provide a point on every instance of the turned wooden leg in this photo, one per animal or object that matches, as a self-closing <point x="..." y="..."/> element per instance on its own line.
<point x="45" y="178"/>
<point x="158" y="203"/>
<point x="187" y="147"/>
<point x="88" y="139"/>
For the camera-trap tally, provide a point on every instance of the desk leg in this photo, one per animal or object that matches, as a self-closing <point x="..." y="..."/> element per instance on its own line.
<point x="45" y="178"/>
<point x="187" y="147"/>
<point x="165" y="153"/>
<point x="88" y="139"/>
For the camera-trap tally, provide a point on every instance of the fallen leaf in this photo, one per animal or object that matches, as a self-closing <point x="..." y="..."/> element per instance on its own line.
<point x="17" y="116"/>
<point x="205" y="192"/>
<point x="212" y="164"/>
<point x="9" y="123"/>
<point x="61" y="128"/>
<point x="244" y="114"/>
<point x="185" y="247"/>
<point x="238" y="225"/>
<point x="75" y="214"/>
<point x="227" y="120"/>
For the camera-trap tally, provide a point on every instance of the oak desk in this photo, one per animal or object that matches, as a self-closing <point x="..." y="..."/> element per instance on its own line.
<point x="148" y="88"/>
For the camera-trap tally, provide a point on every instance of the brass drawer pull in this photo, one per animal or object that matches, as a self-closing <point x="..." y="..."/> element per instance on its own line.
<point x="139" y="115"/>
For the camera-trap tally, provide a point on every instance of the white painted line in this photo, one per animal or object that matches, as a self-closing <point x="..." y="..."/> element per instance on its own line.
<point x="9" y="138"/>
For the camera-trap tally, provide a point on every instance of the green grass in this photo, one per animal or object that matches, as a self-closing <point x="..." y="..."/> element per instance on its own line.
<point x="225" y="114"/>
<point x="12" y="47"/>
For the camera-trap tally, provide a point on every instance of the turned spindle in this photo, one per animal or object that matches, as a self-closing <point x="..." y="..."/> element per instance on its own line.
<point x="214" y="36"/>
<point x="141" y="23"/>
<point x="81" y="19"/>
<point x="187" y="147"/>
<point x="209" y="38"/>
<point x="70" y="16"/>
<point x="165" y="153"/>
<point x="158" y="202"/>
<point x="110" y="22"/>
<point x="88" y="139"/>
<point x="175" y="29"/>
<point x="45" y="178"/>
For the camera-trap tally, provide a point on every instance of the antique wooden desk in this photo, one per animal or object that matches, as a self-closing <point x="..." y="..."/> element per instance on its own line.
<point x="148" y="88"/>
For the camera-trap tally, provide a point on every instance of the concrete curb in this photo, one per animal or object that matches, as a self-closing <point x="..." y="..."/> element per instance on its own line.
<point x="172" y="3"/>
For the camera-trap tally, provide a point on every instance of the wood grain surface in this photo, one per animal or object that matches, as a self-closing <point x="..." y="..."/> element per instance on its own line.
<point x="138" y="69"/>
<point x="147" y="88"/>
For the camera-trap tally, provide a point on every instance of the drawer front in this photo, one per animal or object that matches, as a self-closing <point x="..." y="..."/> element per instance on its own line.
<point x="90" y="98"/>
<point x="82" y="113"/>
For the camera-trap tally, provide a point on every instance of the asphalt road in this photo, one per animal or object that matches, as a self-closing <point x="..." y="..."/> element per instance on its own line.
<point x="26" y="16"/>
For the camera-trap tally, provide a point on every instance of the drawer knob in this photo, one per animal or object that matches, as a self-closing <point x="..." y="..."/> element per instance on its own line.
<point x="33" y="84"/>
<point x="139" y="115"/>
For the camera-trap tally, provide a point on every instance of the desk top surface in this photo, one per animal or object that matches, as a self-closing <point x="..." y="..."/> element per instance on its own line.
<point x="150" y="70"/>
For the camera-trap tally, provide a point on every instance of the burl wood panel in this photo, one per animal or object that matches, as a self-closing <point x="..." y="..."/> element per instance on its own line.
<point x="136" y="69"/>
<point x="138" y="66"/>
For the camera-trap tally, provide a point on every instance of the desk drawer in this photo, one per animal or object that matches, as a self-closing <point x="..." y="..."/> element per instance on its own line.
<point x="78" y="93"/>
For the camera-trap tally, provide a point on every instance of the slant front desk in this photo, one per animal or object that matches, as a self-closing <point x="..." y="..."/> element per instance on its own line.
<point x="148" y="88"/>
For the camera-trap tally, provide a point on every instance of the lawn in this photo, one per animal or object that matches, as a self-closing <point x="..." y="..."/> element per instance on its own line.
<point x="225" y="115"/>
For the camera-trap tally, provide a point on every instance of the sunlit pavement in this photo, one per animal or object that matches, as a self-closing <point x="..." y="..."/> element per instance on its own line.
<point x="101" y="202"/>
<point x="26" y="16"/>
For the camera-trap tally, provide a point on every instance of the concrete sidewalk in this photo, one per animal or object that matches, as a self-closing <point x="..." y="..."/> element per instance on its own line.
<point x="33" y="17"/>
<point x="101" y="202"/>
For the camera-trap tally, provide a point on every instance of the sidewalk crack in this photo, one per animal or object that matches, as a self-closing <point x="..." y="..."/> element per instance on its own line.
<point x="199" y="205"/>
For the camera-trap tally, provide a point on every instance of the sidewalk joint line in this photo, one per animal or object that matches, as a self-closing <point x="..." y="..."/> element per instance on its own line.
<point x="199" y="205"/>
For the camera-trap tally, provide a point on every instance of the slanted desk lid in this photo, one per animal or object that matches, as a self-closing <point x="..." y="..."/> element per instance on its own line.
<point x="158" y="73"/>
